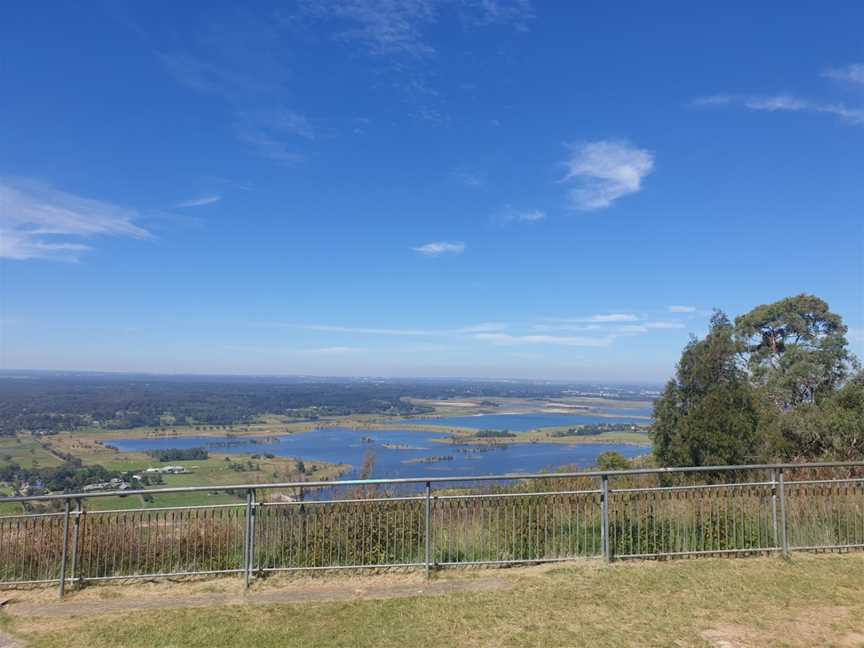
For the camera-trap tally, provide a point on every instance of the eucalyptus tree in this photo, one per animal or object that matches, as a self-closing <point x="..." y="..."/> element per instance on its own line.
<point x="795" y="350"/>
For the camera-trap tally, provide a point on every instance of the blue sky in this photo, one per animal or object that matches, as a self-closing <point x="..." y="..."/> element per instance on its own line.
<point x="489" y="188"/>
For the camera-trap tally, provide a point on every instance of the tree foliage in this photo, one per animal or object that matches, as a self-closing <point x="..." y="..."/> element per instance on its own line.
<point x="795" y="349"/>
<point x="833" y="428"/>
<point x="611" y="460"/>
<point x="707" y="414"/>
<point x="774" y="386"/>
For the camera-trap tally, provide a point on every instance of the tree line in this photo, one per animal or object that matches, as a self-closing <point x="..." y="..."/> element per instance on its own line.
<point x="58" y="404"/>
<point x="179" y="454"/>
<point x="70" y="476"/>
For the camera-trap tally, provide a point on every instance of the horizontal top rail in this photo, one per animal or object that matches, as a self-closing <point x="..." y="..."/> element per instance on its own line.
<point x="434" y="480"/>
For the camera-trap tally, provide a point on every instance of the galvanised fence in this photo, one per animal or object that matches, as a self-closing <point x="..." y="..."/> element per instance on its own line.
<point x="433" y="523"/>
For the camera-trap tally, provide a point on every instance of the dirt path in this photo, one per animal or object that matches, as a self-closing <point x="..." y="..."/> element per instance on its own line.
<point x="292" y="593"/>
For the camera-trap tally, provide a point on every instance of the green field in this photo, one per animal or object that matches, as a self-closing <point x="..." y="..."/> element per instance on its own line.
<point x="26" y="451"/>
<point x="219" y="469"/>
<point x="729" y="603"/>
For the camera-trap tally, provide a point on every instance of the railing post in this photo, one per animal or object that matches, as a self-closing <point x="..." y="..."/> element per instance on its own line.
<point x="75" y="534"/>
<point x="62" y="590"/>
<point x="775" y="534"/>
<point x="783" y="538"/>
<point x="252" y="527"/>
<point x="604" y="517"/>
<point x="249" y="540"/>
<point x="428" y="531"/>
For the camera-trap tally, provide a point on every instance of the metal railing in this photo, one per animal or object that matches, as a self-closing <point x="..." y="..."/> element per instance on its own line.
<point x="438" y="522"/>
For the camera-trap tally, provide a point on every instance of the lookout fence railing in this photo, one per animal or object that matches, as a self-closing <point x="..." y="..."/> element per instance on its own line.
<point x="432" y="523"/>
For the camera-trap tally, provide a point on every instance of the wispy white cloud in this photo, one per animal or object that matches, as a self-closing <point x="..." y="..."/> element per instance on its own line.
<point x="22" y="246"/>
<point x="200" y="201"/>
<point x="399" y="35"/>
<point x="292" y="351"/>
<point x="577" y="328"/>
<point x="470" y="178"/>
<point x="559" y="340"/>
<point x="614" y="317"/>
<point x="402" y="332"/>
<point x="513" y="12"/>
<point x="783" y="103"/>
<point x="853" y="73"/>
<point x="370" y="330"/>
<point x="531" y="216"/>
<point x="601" y="317"/>
<point x="280" y="121"/>
<point x="243" y="68"/>
<point x="438" y="248"/>
<point x="605" y="171"/>
<point x="396" y="27"/>
<point x="273" y="133"/>
<point x="609" y="326"/>
<point x="333" y="351"/>
<point x="769" y="103"/>
<point x="241" y="60"/>
<point x="598" y="334"/>
<point x="648" y="326"/>
<point x="268" y="146"/>
<point x="776" y="102"/>
<point x="485" y="327"/>
<point x="205" y="77"/>
<point x="228" y="182"/>
<point x="511" y="215"/>
<point x="598" y="319"/>
<point x="713" y="100"/>
<point x="681" y="309"/>
<point x="381" y="26"/>
<point x="39" y="222"/>
<point x="431" y="114"/>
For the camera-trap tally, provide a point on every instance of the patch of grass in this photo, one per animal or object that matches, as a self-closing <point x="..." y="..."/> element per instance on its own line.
<point x="544" y="435"/>
<point x="8" y="508"/>
<point x="214" y="471"/>
<point x="25" y="450"/>
<point x="169" y="499"/>
<point x="811" y="600"/>
<point x="547" y="435"/>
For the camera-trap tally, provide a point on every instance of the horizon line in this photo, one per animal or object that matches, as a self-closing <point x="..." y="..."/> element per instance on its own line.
<point x="159" y="374"/>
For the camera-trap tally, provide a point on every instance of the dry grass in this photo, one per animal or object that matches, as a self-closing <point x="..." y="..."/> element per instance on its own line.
<point x="809" y="601"/>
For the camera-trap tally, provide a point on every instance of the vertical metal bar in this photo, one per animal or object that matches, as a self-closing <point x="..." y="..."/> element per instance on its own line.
<point x="784" y="540"/>
<point x="75" y="533"/>
<point x="775" y="536"/>
<point x="252" y="527"/>
<point x="247" y="539"/>
<point x="428" y="525"/>
<point x="62" y="590"/>
<point x="604" y="517"/>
